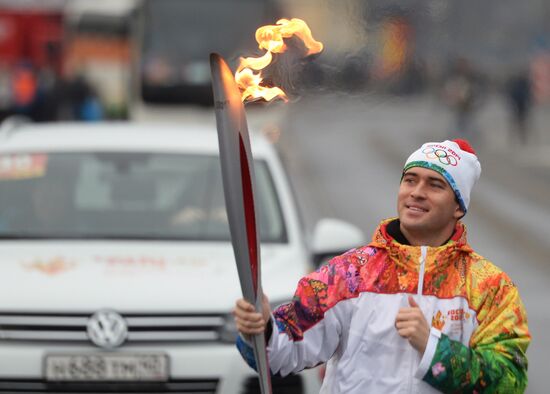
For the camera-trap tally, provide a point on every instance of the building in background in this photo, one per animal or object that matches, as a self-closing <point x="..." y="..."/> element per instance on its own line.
<point x="95" y="59"/>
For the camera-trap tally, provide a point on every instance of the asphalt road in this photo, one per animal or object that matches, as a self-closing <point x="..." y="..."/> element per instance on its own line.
<point x="345" y="154"/>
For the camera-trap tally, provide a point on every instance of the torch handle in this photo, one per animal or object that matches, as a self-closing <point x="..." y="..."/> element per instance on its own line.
<point x="260" y="353"/>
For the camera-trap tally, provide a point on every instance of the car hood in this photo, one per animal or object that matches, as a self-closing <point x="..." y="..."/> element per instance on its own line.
<point x="70" y="276"/>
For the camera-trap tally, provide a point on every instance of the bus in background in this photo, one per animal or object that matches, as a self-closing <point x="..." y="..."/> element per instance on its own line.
<point x="174" y="42"/>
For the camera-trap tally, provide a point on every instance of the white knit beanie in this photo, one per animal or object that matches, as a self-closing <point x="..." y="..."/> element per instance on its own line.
<point x="455" y="160"/>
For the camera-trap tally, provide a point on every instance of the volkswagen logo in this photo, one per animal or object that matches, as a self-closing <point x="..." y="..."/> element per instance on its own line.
<point x="107" y="329"/>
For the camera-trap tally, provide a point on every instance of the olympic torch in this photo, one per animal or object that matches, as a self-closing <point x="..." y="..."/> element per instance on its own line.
<point x="236" y="157"/>
<point x="238" y="185"/>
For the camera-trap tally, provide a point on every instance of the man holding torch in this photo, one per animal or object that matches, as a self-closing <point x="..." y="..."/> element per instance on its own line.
<point x="416" y="310"/>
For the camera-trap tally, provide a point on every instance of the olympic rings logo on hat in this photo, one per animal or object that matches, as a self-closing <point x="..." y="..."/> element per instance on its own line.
<point x="443" y="156"/>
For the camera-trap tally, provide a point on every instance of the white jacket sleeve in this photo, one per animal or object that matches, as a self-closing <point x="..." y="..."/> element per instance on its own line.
<point x="300" y="340"/>
<point x="308" y="330"/>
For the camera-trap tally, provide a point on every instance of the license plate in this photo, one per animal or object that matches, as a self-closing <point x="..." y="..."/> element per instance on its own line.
<point x="98" y="367"/>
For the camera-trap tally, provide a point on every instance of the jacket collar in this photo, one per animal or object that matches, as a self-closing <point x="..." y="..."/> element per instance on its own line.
<point x="409" y="256"/>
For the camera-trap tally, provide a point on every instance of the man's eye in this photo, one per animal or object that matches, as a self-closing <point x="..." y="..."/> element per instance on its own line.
<point x="437" y="185"/>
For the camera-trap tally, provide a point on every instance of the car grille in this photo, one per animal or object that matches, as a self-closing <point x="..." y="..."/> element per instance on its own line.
<point x="141" y="327"/>
<point x="202" y="386"/>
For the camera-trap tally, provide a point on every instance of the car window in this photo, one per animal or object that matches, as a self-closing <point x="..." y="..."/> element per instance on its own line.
<point x="125" y="195"/>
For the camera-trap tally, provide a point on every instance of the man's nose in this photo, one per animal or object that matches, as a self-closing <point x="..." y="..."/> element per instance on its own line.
<point x="419" y="190"/>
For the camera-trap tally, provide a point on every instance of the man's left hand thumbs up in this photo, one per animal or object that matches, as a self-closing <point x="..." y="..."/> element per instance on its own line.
<point x="411" y="324"/>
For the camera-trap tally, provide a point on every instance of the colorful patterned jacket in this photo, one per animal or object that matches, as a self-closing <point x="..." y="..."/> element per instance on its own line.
<point x="344" y="313"/>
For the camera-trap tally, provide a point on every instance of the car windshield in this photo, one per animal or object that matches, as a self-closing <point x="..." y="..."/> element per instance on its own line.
<point x="123" y="195"/>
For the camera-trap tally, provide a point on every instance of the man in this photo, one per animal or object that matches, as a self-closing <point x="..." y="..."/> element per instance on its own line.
<point x="416" y="310"/>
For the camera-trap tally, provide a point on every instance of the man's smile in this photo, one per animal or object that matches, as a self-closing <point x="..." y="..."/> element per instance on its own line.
<point x="416" y="208"/>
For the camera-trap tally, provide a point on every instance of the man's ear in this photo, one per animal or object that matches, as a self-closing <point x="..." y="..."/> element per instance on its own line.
<point x="459" y="213"/>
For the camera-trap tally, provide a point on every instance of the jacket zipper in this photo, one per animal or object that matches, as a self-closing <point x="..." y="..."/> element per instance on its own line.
<point x="423" y="253"/>
<point x="420" y="290"/>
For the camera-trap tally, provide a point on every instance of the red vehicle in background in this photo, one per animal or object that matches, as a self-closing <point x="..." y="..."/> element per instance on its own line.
<point x="33" y="34"/>
<point x="31" y="37"/>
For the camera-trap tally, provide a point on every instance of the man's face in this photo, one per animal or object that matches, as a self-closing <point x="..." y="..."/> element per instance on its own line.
<point x="426" y="203"/>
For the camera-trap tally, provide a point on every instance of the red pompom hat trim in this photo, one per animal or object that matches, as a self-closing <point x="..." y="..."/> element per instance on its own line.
<point x="465" y="146"/>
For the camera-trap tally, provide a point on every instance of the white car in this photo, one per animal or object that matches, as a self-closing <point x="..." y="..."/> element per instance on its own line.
<point x="118" y="273"/>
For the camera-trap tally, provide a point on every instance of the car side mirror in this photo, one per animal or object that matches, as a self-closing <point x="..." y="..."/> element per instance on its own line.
<point x="332" y="237"/>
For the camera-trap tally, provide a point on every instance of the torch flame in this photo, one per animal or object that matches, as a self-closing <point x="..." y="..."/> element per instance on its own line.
<point x="270" y="38"/>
